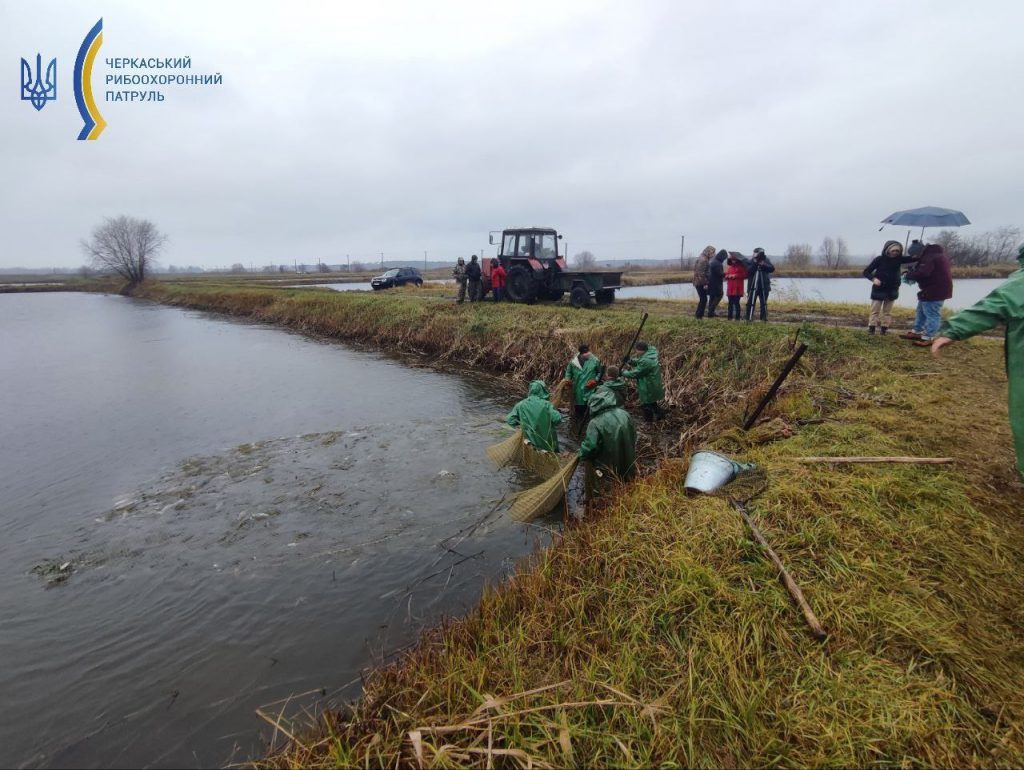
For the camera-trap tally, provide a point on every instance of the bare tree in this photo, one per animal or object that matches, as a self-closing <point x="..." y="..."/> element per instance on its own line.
<point x="357" y="267"/>
<point x="238" y="267"/>
<point x="842" y="252"/>
<point x="125" y="246"/>
<point x="829" y="252"/>
<point x="323" y="267"/>
<point x="798" y="254"/>
<point x="584" y="259"/>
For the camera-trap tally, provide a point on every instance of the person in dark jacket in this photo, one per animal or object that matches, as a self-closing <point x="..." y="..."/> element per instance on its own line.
<point x="716" y="281"/>
<point x="759" y="283"/>
<point x="884" y="274"/>
<point x="701" y="277"/>
<point x="473" y="276"/>
<point x="935" y="284"/>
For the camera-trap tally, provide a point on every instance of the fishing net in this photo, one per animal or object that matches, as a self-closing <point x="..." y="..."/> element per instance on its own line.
<point x="540" y="499"/>
<point x="560" y="395"/>
<point x="508" y="450"/>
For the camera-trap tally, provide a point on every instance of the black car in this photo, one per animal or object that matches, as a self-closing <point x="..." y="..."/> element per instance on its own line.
<point x="397" y="276"/>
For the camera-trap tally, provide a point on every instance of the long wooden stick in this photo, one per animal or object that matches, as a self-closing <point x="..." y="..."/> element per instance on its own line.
<point x="922" y="460"/>
<point x="775" y="386"/>
<point x="791" y="586"/>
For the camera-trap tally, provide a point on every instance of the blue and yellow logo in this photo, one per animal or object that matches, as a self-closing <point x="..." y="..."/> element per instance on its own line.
<point x="94" y="122"/>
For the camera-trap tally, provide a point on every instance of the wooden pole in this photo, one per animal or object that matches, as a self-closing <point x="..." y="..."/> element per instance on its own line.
<point x="921" y="460"/>
<point x="790" y="584"/>
<point x="775" y="386"/>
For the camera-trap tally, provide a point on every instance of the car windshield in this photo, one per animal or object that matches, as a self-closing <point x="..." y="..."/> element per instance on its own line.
<point x="390" y="274"/>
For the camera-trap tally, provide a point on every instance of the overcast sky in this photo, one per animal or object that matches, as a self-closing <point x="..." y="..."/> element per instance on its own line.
<point x="352" y="129"/>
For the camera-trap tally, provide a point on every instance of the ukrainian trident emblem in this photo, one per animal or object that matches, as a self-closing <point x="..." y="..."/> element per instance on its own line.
<point x="35" y="88"/>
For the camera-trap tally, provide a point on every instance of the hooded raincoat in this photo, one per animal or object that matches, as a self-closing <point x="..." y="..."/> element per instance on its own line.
<point x="610" y="442"/>
<point x="537" y="417"/>
<point x="580" y="373"/>
<point x="887" y="270"/>
<point x="1004" y="305"/>
<point x="647" y="373"/>
<point x="617" y="388"/>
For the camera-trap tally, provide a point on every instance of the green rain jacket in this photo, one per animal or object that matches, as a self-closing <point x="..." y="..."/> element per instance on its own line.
<point x="617" y="387"/>
<point x="582" y="372"/>
<point x="537" y="417"/>
<point x="1004" y="305"/>
<point x="647" y="373"/>
<point x="610" y="442"/>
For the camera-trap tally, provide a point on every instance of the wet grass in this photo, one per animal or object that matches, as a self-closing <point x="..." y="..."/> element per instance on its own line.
<point x="655" y="632"/>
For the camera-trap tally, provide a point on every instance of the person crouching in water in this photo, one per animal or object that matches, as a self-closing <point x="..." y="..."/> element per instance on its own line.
<point x="884" y="274"/>
<point x="610" y="442"/>
<point x="735" y="281"/>
<point x="647" y="372"/>
<point x="537" y="417"/>
<point x="583" y="372"/>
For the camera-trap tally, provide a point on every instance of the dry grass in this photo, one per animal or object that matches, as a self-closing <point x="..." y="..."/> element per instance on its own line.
<point x="656" y="633"/>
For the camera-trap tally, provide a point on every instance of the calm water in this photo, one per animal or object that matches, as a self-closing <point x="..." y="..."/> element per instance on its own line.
<point x="965" y="292"/>
<point x="248" y="515"/>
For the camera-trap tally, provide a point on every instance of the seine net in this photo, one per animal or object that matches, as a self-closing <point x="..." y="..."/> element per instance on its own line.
<point x="540" y="499"/>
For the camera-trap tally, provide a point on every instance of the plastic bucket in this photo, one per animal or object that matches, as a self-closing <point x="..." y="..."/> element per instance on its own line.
<point x="708" y="471"/>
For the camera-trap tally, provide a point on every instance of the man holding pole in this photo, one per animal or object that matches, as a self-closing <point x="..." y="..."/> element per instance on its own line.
<point x="647" y="372"/>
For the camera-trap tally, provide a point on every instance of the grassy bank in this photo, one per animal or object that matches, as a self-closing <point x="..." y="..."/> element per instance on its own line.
<point x="656" y="632"/>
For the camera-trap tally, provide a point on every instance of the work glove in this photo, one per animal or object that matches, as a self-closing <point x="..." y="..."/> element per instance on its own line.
<point x="591" y="384"/>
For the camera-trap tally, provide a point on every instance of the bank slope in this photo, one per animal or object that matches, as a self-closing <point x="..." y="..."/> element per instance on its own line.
<point x="656" y="632"/>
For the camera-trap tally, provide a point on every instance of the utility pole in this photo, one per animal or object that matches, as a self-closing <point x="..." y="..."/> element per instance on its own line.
<point x="348" y="264"/>
<point x="424" y="259"/>
<point x="382" y="260"/>
<point x="682" y="252"/>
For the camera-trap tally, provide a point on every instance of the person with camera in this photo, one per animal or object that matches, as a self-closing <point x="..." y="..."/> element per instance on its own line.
<point x="759" y="283"/>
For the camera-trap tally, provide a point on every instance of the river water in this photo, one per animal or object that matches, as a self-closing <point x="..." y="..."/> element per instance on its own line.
<point x="247" y="515"/>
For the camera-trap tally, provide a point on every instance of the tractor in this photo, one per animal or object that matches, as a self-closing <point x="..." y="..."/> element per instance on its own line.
<point x="536" y="271"/>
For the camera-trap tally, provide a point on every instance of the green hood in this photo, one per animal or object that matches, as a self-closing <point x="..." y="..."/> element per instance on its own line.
<point x="538" y="389"/>
<point x="601" y="401"/>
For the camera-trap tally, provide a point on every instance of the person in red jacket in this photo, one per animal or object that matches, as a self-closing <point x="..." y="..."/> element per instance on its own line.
<point x="735" y="283"/>
<point x="935" y="284"/>
<point x="497" y="280"/>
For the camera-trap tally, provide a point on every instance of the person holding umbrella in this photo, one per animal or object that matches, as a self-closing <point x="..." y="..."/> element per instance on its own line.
<point x="759" y="283"/>
<point x="935" y="283"/>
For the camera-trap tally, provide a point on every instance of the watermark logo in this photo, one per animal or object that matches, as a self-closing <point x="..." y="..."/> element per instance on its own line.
<point x="94" y="122"/>
<point x="37" y="89"/>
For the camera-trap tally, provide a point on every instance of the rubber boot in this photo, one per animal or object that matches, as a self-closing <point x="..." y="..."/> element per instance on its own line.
<point x="871" y="330"/>
<point x="885" y="330"/>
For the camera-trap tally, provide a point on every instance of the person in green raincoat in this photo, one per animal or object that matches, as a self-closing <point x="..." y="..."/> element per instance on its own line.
<point x="647" y="372"/>
<point x="610" y="443"/>
<point x="1004" y="305"/>
<point x="537" y="417"/>
<point x="584" y="370"/>
<point x="615" y="384"/>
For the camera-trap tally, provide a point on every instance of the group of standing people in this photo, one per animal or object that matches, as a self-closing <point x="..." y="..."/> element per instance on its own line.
<point x="469" y="277"/>
<point x="934" y="278"/>
<point x="599" y="398"/>
<point x="730" y="274"/>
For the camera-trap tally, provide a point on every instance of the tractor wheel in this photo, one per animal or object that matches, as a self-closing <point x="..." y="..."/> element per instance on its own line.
<point x="605" y="296"/>
<point x="579" y="297"/>
<point x="520" y="286"/>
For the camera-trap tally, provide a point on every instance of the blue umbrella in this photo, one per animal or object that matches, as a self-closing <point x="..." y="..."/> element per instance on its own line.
<point x="928" y="216"/>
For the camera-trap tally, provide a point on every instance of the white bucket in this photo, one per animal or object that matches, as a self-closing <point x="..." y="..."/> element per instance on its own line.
<point x="708" y="471"/>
